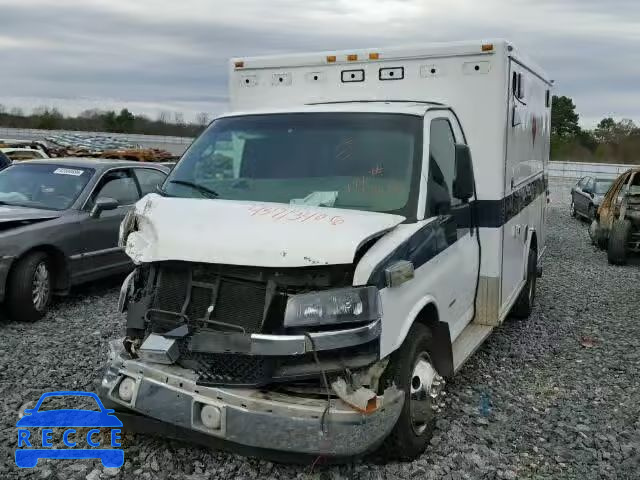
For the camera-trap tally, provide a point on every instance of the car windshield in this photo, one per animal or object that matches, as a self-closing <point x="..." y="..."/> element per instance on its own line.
<point x="602" y="186"/>
<point x="362" y="161"/>
<point x="52" y="187"/>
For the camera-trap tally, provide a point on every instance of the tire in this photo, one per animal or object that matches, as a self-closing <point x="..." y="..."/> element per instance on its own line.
<point x="618" y="240"/>
<point x="414" y="428"/>
<point x="30" y="273"/>
<point x="572" y="209"/>
<point x="592" y="212"/>
<point x="593" y="232"/>
<point x="526" y="299"/>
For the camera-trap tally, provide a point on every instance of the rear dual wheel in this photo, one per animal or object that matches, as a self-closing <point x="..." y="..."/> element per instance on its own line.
<point x="526" y="299"/>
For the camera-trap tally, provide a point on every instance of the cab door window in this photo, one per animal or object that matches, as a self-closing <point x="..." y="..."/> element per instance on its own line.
<point x="442" y="163"/>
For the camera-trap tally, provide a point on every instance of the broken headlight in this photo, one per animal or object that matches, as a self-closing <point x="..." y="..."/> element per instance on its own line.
<point x="128" y="225"/>
<point x="342" y="305"/>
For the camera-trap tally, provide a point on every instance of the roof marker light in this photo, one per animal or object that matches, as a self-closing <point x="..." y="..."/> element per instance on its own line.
<point x="331" y="58"/>
<point x="374" y="56"/>
<point x="487" y="47"/>
<point x="352" y="57"/>
<point x="239" y="64"/>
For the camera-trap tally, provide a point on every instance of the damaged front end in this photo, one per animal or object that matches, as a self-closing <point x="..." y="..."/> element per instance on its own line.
<point x="279" y="358"/>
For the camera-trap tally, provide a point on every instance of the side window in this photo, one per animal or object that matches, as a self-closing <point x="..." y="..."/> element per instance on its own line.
<point x="148" y="179"/>
<point x="442" y="162"/>
<point x="589" y="184"/>
<point x="582" y="182"/>
<point x="119" y="185"/>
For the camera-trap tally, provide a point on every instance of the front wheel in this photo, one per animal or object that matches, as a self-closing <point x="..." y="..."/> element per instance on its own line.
<point x="572" y="209"/>
<point x="30" y="288"/>
<point x="524" y="304"/>
<point x="412" y="371"/>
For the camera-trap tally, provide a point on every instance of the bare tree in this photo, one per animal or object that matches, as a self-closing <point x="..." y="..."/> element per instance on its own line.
<point x="17" y="112"/>
<point x="202" y="119"/>
<point x="163" y="117"/>
<point x="178" y="118"/>
<point x="3" y="109"/>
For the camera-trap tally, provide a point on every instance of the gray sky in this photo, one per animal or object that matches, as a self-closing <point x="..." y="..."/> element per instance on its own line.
<point x="168" y="55"/>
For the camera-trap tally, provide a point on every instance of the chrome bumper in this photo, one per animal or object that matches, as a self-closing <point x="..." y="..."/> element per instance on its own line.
<point x="249" y="417"/>
<point x="264" y="345"/>
<point x="300" y="344"/>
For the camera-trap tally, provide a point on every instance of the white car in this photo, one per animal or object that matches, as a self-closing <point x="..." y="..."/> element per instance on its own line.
<point x="18" y="154"/>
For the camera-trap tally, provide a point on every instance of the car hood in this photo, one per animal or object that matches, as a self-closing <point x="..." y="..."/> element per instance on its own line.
<point x="12" y="216"/>
<point x="248" y="233"/>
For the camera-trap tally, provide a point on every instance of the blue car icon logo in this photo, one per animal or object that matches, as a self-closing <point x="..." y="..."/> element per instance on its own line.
<point x="31" y="448"/>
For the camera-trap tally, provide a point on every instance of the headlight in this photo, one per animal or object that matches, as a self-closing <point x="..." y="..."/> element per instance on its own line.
<point x="343" y="305"/>
<point x="125" y="292"/>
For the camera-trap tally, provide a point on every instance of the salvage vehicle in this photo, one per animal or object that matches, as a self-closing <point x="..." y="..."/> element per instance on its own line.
<point x="59" y="221"/>
<point x="616" y="227"/>
<point x="322" y="258"/>
<point x="19" y="154"/>
<point x="587" y="195"/>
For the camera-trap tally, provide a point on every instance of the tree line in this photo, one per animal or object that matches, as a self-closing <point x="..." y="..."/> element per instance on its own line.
<point x="46" y="118"/>
<point x="612" y="141"/>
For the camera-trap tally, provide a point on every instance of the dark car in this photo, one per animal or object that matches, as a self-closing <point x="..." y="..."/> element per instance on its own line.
<point x="4" y="161"/>
<point x="59" y="223"/>
<point x="587" y="195"/>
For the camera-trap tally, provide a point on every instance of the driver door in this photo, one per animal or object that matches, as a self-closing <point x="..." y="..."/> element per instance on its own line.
<point x="101" y="255"/>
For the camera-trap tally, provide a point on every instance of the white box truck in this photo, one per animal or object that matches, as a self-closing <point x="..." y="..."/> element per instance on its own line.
<point x="322" y="258"/>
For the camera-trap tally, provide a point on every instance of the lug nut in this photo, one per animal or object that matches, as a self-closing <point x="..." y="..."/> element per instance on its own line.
<point x="211" y="417"/>
<point x="125" y="390"/>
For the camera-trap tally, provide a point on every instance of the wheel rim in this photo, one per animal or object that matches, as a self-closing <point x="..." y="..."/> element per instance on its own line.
<point x="424" y="380"/>
<point x="40" y="290"/>
<point x="572" y="209"/>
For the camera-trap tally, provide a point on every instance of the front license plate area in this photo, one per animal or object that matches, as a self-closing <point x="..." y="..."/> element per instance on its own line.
<point x="160" y="402"/>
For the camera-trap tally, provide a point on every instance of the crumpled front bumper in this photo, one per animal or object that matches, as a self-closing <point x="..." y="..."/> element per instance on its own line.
<point x="261" y="419"/>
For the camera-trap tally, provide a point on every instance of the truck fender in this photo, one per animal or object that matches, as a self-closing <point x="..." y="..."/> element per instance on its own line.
<point x="426" y="312"/>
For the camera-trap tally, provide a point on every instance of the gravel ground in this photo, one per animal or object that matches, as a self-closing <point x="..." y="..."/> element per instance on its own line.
<point x="556" y="396"/>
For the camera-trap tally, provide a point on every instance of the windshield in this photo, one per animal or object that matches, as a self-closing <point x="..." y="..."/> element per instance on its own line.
<point x="52" y="187"/>
<point x="602" y="186"/>
<point x="362" y="161"/>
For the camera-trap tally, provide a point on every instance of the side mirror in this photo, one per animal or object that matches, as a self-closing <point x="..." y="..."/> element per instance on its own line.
<point x="102" y="204"/>
<point x="463" y="185"/>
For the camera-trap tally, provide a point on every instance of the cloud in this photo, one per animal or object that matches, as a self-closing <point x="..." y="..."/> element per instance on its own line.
<point x="154" y="55"/>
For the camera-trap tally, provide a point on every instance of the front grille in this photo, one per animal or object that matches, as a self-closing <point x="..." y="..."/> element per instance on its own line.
<point x="241" y="304"/>
<point x="187" y="294"/>
<point x="229" y="369"/>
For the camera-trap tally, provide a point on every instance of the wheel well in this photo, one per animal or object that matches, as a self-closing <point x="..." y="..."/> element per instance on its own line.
<point x="60" y="266"/>
<point x="440" y="348"/>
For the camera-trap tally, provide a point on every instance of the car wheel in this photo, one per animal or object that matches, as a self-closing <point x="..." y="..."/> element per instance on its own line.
<point x="524" y="304"/>
<point x="30" y="288"/>
<point x="618" y="242"/>
<point x="572" y="209"/>
<point x="412" y="371"/>
<point x="592" y="212"/>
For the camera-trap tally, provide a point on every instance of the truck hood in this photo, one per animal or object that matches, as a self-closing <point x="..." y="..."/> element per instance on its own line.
<point x="248" y="233"/>
<point x="12" y="217"/>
